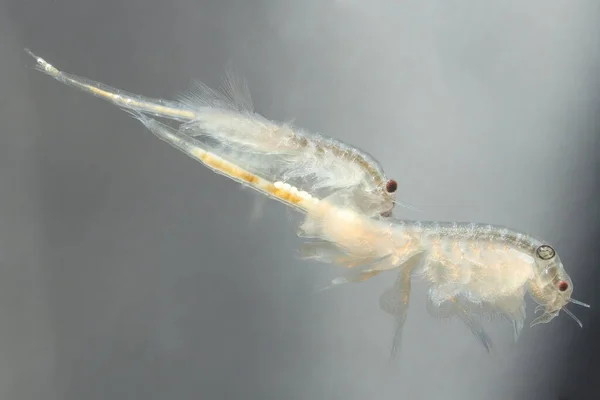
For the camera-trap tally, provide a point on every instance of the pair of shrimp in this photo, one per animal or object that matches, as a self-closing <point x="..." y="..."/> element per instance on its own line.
<point x="471" y="268"/>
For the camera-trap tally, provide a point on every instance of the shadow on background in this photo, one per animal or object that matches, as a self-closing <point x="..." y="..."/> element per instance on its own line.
<point x="130" y="271"/>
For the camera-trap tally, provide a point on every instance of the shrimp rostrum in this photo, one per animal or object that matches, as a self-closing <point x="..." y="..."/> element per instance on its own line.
<point x="471" y="269"/>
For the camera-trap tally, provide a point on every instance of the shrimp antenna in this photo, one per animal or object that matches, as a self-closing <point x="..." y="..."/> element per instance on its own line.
<point x="570" y="314"/>
<point x="579" y="303"/>
<point x="406" y="205"/>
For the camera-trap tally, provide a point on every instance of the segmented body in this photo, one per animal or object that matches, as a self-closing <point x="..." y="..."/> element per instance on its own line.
<point x="481" y="262"/>
<point x="470" y="268"/>
<point x="225" y="123"/>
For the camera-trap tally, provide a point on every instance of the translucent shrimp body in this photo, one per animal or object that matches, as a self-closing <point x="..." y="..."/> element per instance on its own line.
<point x="225" y="122"/>
<point x="471" y="269"/>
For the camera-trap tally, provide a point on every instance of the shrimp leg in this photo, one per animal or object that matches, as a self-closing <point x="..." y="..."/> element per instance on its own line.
<point x="395" y="300"/>
<point x="474" y="325"/>
<point x="453" y="307"/>
<point x="358" y="273"/>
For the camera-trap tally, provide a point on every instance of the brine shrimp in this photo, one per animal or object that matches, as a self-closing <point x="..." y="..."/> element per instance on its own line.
<point x="225" y="122"/>
<point x="471" y="269"/>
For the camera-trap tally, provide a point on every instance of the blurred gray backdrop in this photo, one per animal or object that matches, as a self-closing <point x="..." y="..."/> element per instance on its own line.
<point x="132" y="272"/>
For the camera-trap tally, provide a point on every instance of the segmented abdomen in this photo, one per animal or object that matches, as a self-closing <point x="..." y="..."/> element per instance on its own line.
<point x="476" y="262"/>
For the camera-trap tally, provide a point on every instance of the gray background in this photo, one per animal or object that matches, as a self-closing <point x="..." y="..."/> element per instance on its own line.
<point x="131" y="272"/>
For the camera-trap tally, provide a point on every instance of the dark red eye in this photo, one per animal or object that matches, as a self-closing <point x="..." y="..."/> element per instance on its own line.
<point x="562" y="286"/>
<point x="391" y="186"/>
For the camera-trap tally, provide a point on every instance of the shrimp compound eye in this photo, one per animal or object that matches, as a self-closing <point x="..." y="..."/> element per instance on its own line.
<point x="545" y="252"/>
<point x="391" y="186"/>
<point x="563" y="285"/>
